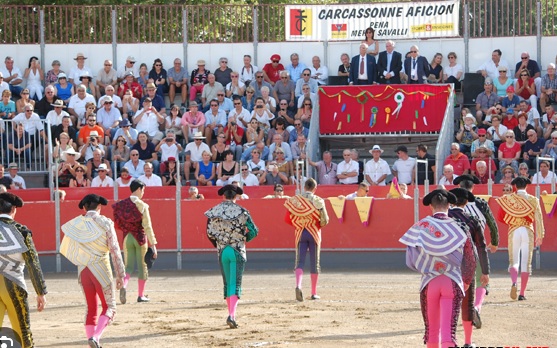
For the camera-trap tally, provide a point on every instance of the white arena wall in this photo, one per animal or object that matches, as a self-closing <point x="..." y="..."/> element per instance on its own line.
<point x="479" y="51"/>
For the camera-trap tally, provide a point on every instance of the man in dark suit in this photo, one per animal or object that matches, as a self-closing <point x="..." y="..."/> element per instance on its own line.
<point x="389" y="65"/>
<point x="363" y="70"/>
<point x="416" y="67"/>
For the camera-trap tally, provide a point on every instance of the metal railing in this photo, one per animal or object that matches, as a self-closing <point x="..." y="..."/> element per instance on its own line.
<point x="64" y="24"/>
<point x="28" y="150"/>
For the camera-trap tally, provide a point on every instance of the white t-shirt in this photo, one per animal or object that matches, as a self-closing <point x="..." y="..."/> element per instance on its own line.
<point x="121" y="184"/>
<point x="169" y="151"/>
<point x="538" y="178"/>
<point x="153" y="180"/>
<point x="78" y="105"/>
<point x="98" y="182"/>
<point x="375" y="170"/>
<point x="404" y="169"/>
<point x="350" y="167"/>
<point x="149" y="123"/>
<point x="494" y="135"/>
<point x="453" y="71"/>
<point x="54" y="119"/>
<point x="242" y="115"/>
<point x="250" y="180"/>
<point x="197" y="152"/>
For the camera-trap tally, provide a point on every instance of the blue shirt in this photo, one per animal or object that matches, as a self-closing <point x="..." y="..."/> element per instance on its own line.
<point x="296" y="72"/>
<point x="294" y="135"/>
<point x="8" y="109"/>
<point x="221" y="118"/>
<point x="226" y="105"/>
<point x="246" y="155"/>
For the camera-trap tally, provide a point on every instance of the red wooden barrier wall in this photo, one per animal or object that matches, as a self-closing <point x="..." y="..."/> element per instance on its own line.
<point x="389" y="219"/>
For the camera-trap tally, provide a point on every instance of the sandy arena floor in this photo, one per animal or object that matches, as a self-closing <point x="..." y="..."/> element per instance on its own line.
<point x="375" y="309"/>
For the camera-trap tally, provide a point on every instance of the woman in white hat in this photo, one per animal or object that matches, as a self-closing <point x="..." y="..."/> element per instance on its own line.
<point x="87" y="81"/>
<point x="66" y="169"/>
<point x="64" y="88"/>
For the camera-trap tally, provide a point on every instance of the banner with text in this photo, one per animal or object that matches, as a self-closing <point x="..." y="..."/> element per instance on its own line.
<point x="389" y="20"/>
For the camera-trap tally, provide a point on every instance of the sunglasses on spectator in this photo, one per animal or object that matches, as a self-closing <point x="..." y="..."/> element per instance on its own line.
<point x="134" y="154"/>
<point x="413" y="51"/>
<point x="244" y="169"/>
<point x="481" y="135"/>
<point x="306" y="74"/>
<point x="523" y="74"/>
<point x="80" y="171"/>
<point x="279" y="191"/>
<point x="259" y="77"/>
<point x="158" y="64"/>
<point x="275" y="61"/>
<point x="237" y="103"/>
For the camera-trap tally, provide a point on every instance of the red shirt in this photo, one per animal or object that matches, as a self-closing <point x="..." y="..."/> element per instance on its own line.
<point x="525" y="94"/>
<point x="135" y="87"/>
<point x="272" y="72"/>
<point x="509" y="152"/>
<point x="510" y="123"/>
<point x="85" y="131"/>
<point x="460" y="163"/>
<point x="230" y="137"/>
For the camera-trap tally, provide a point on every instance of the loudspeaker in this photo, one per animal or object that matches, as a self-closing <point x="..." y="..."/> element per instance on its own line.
<point x="472" y="85"/>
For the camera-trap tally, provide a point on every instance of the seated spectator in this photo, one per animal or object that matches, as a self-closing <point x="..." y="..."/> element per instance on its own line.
<point x="549" y="121"/>
<point x="548" y="87"/>
<point x="92" y="145"/>
<point x="306" y="80"/>
<point x="403" y="168"/>
<point x="544" y="176"/>
<point x="510" y="100"/>
<point x="403" y="193"/>
<point x="107" y="76"/>
<point x="210" y="91"/>
<point x="222" y="74"/>
<point x="270" y="102"/>
<point x="507" y="189"/>
<point x="125" y="178"/>
<point x="147" y="151"/>
<point x="148" y="178"/>
<point x="526" y="88"/>
<point x="194" y="151"/>
<point x="494" y="110"/>
<point x="435" y="69"/>
<point x="247" y="73"/>
<point x="298" y="178"/>
<point x="63" y="143"/>
<point x="482" y="141"/>
<point x="274" y="176"/>
<point x="306" y="93"/>
<point x="304" y="114"/>
<point x="135" y="166"/>
<point x="94" y="163"/>
<point x="205" y="171"/>
<point x="279" y="159"/>
<point x="64" y="89"/>
<point x="453" y="72"/>
<point x="376" y="169"/>
<point x="248" y="101"/>
<point x="458" y="160"/>
<point x="170" y="174"/>
<point x="130" y="67"/>
<point x="25" y="100"/>
<point x="467" y="134"/>
<point x="198" y="79"/>
<point x="533" y="115"/>
<point x="77" y="104"/>
<point x="80" y="179"/>
<point x="218" y="150"/>
<point x="482" y="173"/>
<point x="344" y="68"/>
<point x="362" y="191"/>
<point x="298" y="129"/>
<point x="319" y="73"/>
<point x="226" y="169"/>
<point x="54" y="117"/>
<point x="524" y="171"/>
<point x="299" y="148"/>
<point x="284" y="113"/>
<point x="19" y="182"/>
<point x="271" y="71"/>
<point x="116" y="100"/>
<point x="532" y="148"/>
<point x="485" y="100"/>
<point x="178" y="81"/>
<point x="497" y="131"/>
<point x="126" y="131"/>
<point x="130" y="105"/>
<point x="173" y="122"/>
<point x="425" y="170"/>
<point x="7" y="106"/>
<point x="448" y="175"/>
<point x="109" y="117"/>
<point x="484" y="154"/>
<point x="32" y="124"/>
<point x="102" y="179"/>
<point x="508" y="175"/>
<point x="19" y="146"/>
<point x="256" y="165"/>
<point x="347" y="170"/>
<point x="4" y="86"/>
<point x="194" y="194"/>
<point x="120" y="154"/>
<point x="238" y="114"/>
<point x="86" y="80"/>
<point x="502" y="82"/>
<point x="550" y="148"/>
<point x="225" y="104"/>
<point x="233" y="136"/>
<point x="235" y="88"/>
<point x="215" y="120"/>
<point x="143" y="78"/>
<point x="160" y="77"/>
<point x="245" y="177"/>
<point x="168" y="148"/>
<point x="510" y="120"/>
<point x="279" y="143"/>
<point x="253" y="134"/>
<point x="263" y="150"/>
<point x="156" y="100"/>
<point x="280" y="128"/>
<point x="130" y="84"/>
<point x="193" y="121"/>
<point x="522" y="128"/>
<point x="52" y="75"/>
<point x="278" y="193"/>
<point x="66" y="168"/>
<point x="147" y="121"/>
<point x="509" y="152"/>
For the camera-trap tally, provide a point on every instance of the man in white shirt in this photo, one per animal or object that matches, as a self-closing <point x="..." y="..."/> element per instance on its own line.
<point x="147" y="120"/>
<point x="150" y="179"/>
<point x="108" y="117"/>
<point x="489" y="68"/>
<point x="194" y="153"/>
<point x="12" y="76"/>
<point x="76" y="107"/>
<point x="102" y="180"/>
<point x="363" y="190"/>
<point x="128" y="66"/>
<point x="110" y="92"/>
<point x="376" y="169"/>
<point x="319" y="72"/>
<point x="169" y="147"/>
<point x="403" y="167"/>
<point x="277" y="142"/>
<point x="54" y="117"/>
<point x="31" y="123"/>
<point x="18" y="181"/>
<point x="347" y="170"/>
<point x="239" y="114"/>
<point x="3" y="84"/>
<point x="245" y="177"/>
<point x="247" y="73"/>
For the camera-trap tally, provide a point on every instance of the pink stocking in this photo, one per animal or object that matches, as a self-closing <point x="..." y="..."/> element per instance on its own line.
<point x="467" y="326"/>
<point x="514" y="274"/>
<point x="127" y="279"/>
<point x="141" y="287"/>
<point x="233" y="305"/>
<point x="480" y="296"/>
<point x="102" y="324"/>
<point x="523" y="282"/>
<point x="314" y="277"/>
<point x="299" y="274"/>
<point x="432" y="345"/>
<point x="89" y="330"/>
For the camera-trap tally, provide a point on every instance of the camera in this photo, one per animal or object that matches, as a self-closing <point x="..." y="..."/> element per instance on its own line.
<point x="255" y="169"/>
<point x="259" y="106"/>
<point x="232" y="124"/>
<point x="168" y="140"/>
<point x="92" y="139"/>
